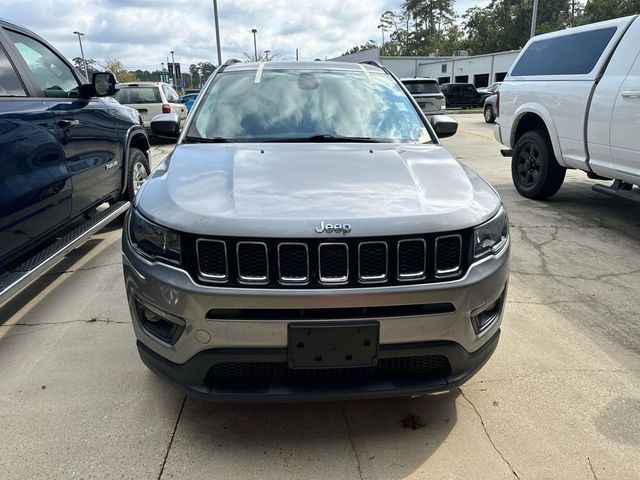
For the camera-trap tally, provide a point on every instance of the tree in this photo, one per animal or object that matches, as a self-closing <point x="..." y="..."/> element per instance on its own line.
<point x="359" y="48"/>
<point x="117" y="68"/>
<point x="599" y="10"/>
<point x="506" y="24"/>
<point x="92" y="66"/>
<point x="263" y="56"/>
<point x="205" y="69"/>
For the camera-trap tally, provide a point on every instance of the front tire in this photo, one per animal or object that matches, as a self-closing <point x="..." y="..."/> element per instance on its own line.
<point x="137" y="172"/>
<point x="489" y="115"/>
<point x="535" y="171"/>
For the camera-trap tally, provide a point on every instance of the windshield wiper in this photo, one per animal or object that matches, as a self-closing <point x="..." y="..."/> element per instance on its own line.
<point x="190" y="139"/>
<point x="324" y="137"/>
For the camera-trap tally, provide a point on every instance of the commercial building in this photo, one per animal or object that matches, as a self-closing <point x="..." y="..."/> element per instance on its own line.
<point x="481" y="70"/>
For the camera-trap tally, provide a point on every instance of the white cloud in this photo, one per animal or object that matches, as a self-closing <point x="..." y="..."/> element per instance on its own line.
<point x="141" y="33"/>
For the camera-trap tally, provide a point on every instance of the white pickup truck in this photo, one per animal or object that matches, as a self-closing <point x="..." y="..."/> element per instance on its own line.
<point x="572" y="100"/>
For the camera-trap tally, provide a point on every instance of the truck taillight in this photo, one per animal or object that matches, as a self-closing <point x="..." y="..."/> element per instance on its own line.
<point x="166" y="108"/>
<point x="498" y="104"/>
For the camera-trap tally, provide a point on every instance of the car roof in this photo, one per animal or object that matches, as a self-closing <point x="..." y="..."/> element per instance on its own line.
<point x="141" y="84"/>
<point x="418" y="79"/>
<point x="335" y="66"/>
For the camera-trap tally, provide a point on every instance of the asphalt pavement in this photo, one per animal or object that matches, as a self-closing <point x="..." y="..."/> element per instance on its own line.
<point x="560" y="399"/>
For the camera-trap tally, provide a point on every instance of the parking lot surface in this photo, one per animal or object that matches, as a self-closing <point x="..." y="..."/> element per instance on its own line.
<point x="559" y="399"/>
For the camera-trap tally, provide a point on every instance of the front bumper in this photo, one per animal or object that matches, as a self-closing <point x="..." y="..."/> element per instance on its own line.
<point x="207" y="341"/>
<point x="191" y="375"/>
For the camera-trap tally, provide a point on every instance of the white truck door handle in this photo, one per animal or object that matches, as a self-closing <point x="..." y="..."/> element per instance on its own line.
<point x="631" y="93"/>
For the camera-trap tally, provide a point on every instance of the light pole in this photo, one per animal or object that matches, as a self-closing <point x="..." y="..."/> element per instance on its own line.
<point x="215" y="18"/>
<point x="381" y="27"/>
<point x="173" y="70"/>
<point x="534" y="18"/>
<point x="255" y="45"/>
<point x="80" y="35"/>
<point x="266" y="55"/>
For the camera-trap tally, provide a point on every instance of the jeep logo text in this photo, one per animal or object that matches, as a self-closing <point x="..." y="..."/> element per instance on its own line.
<point x="343" y="228"/>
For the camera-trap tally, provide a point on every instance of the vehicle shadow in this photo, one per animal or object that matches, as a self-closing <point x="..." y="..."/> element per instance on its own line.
<point x="387" y="439"/>
<point x="43" y="281"/>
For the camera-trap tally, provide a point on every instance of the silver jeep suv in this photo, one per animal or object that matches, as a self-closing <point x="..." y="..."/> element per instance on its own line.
<point x="309" y="238"/>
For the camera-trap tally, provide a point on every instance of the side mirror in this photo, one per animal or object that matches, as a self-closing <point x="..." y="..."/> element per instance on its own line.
<point x="104" y="84"/>
<point x="166" y="125"/>
<point x="443" y="125"/>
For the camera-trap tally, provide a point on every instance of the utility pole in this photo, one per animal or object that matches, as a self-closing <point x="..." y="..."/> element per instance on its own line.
<point x="381" y="27"/>
<point x="167" y="70"/>
<point x="215" y="18"/>
<point x="162" y="72"/>
<point x="534" y="18"/>
<point x="296" y="54"/>
<point x="255" y="45"/>
<point x="80" y="35"/>
<point x="573" y="12"/>
<point x="173" y="70"/>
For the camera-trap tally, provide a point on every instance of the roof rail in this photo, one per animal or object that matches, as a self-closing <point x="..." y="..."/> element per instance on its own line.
<point x="376" y="63"/>
<point x="231" y="61"/>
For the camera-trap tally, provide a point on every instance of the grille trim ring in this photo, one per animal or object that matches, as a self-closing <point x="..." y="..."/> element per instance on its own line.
<point x="374" y="278"/>
<point x="413" y="276"/>
<point x="263" y="280"/>
<point x="209" y="277"/>
<point x="292" y="280"/>
<point x="329" y="280"/>
<point x="451" y="271"/>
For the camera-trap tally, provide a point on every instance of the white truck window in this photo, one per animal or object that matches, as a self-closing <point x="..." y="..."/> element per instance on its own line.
<point x="573" y="54"/>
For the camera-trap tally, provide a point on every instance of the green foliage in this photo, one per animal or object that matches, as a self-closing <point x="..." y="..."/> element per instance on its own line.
<point x="365" y="46"/>
<point x="599" y="10"/>
<point x="92" y="65"/>
<point x="422" y="27"/>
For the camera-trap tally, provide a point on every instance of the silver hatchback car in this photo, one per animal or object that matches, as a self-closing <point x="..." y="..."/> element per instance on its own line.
<point x="309" y="238"/>
<point x="427" y="94"/>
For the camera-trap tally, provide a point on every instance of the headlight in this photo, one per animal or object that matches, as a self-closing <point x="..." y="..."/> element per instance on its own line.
<point x="491" y="237"/>
<point x="154" y="241"/>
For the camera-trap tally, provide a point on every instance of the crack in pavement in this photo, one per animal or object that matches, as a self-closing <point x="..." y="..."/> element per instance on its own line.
<point x="576" y="277"/>
<point x="173" y="434"/>
<point x="66" y="322"/>
<point x="351" y="441"/>
<point x="553" y="371"/>
<point x="484" y="427"/>
<point x="593" y="472"/>
<point x="82" y="269"/>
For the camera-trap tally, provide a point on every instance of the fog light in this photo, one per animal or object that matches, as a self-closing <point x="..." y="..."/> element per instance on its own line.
<point x="163" y="325"/>
<point x="484" y="317"/>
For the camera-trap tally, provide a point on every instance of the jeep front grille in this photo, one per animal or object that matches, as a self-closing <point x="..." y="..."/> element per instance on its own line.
<point x="335" y="262"/>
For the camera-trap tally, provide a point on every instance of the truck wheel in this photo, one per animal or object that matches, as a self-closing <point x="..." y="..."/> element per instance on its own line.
<point x="137" y="172"/>
<point x="534" y="169"/>
<point x="489" y="116"/>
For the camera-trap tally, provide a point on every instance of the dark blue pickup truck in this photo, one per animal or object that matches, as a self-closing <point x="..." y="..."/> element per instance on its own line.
<point x="66" y="149"/>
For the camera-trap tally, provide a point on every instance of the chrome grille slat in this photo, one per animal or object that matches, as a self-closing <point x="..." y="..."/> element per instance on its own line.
<point x="336" y="262"/>
<point x="412" y="259"/>
<point x="333" y="269"/>
<point x="448" y="255"/>
<point x="213" y="263"/>
<point x="253" y="262"/>
<point x="293" y="263"/>
<point x="373" y="262"/>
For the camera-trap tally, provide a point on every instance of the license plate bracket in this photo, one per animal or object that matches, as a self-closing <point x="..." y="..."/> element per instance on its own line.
<point x="333" y="345"/>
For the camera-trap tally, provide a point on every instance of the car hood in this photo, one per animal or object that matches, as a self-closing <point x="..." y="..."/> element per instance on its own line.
<point x="286" y="190"/>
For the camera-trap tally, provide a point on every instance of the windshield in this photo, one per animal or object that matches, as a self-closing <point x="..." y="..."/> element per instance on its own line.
<point x="281" y="105"/>
<point x="419" y="87"/>
<point x="132" y="95"/>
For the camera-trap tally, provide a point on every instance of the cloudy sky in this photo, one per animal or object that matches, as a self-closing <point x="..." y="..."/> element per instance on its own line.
<point x="141" y="33"/>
